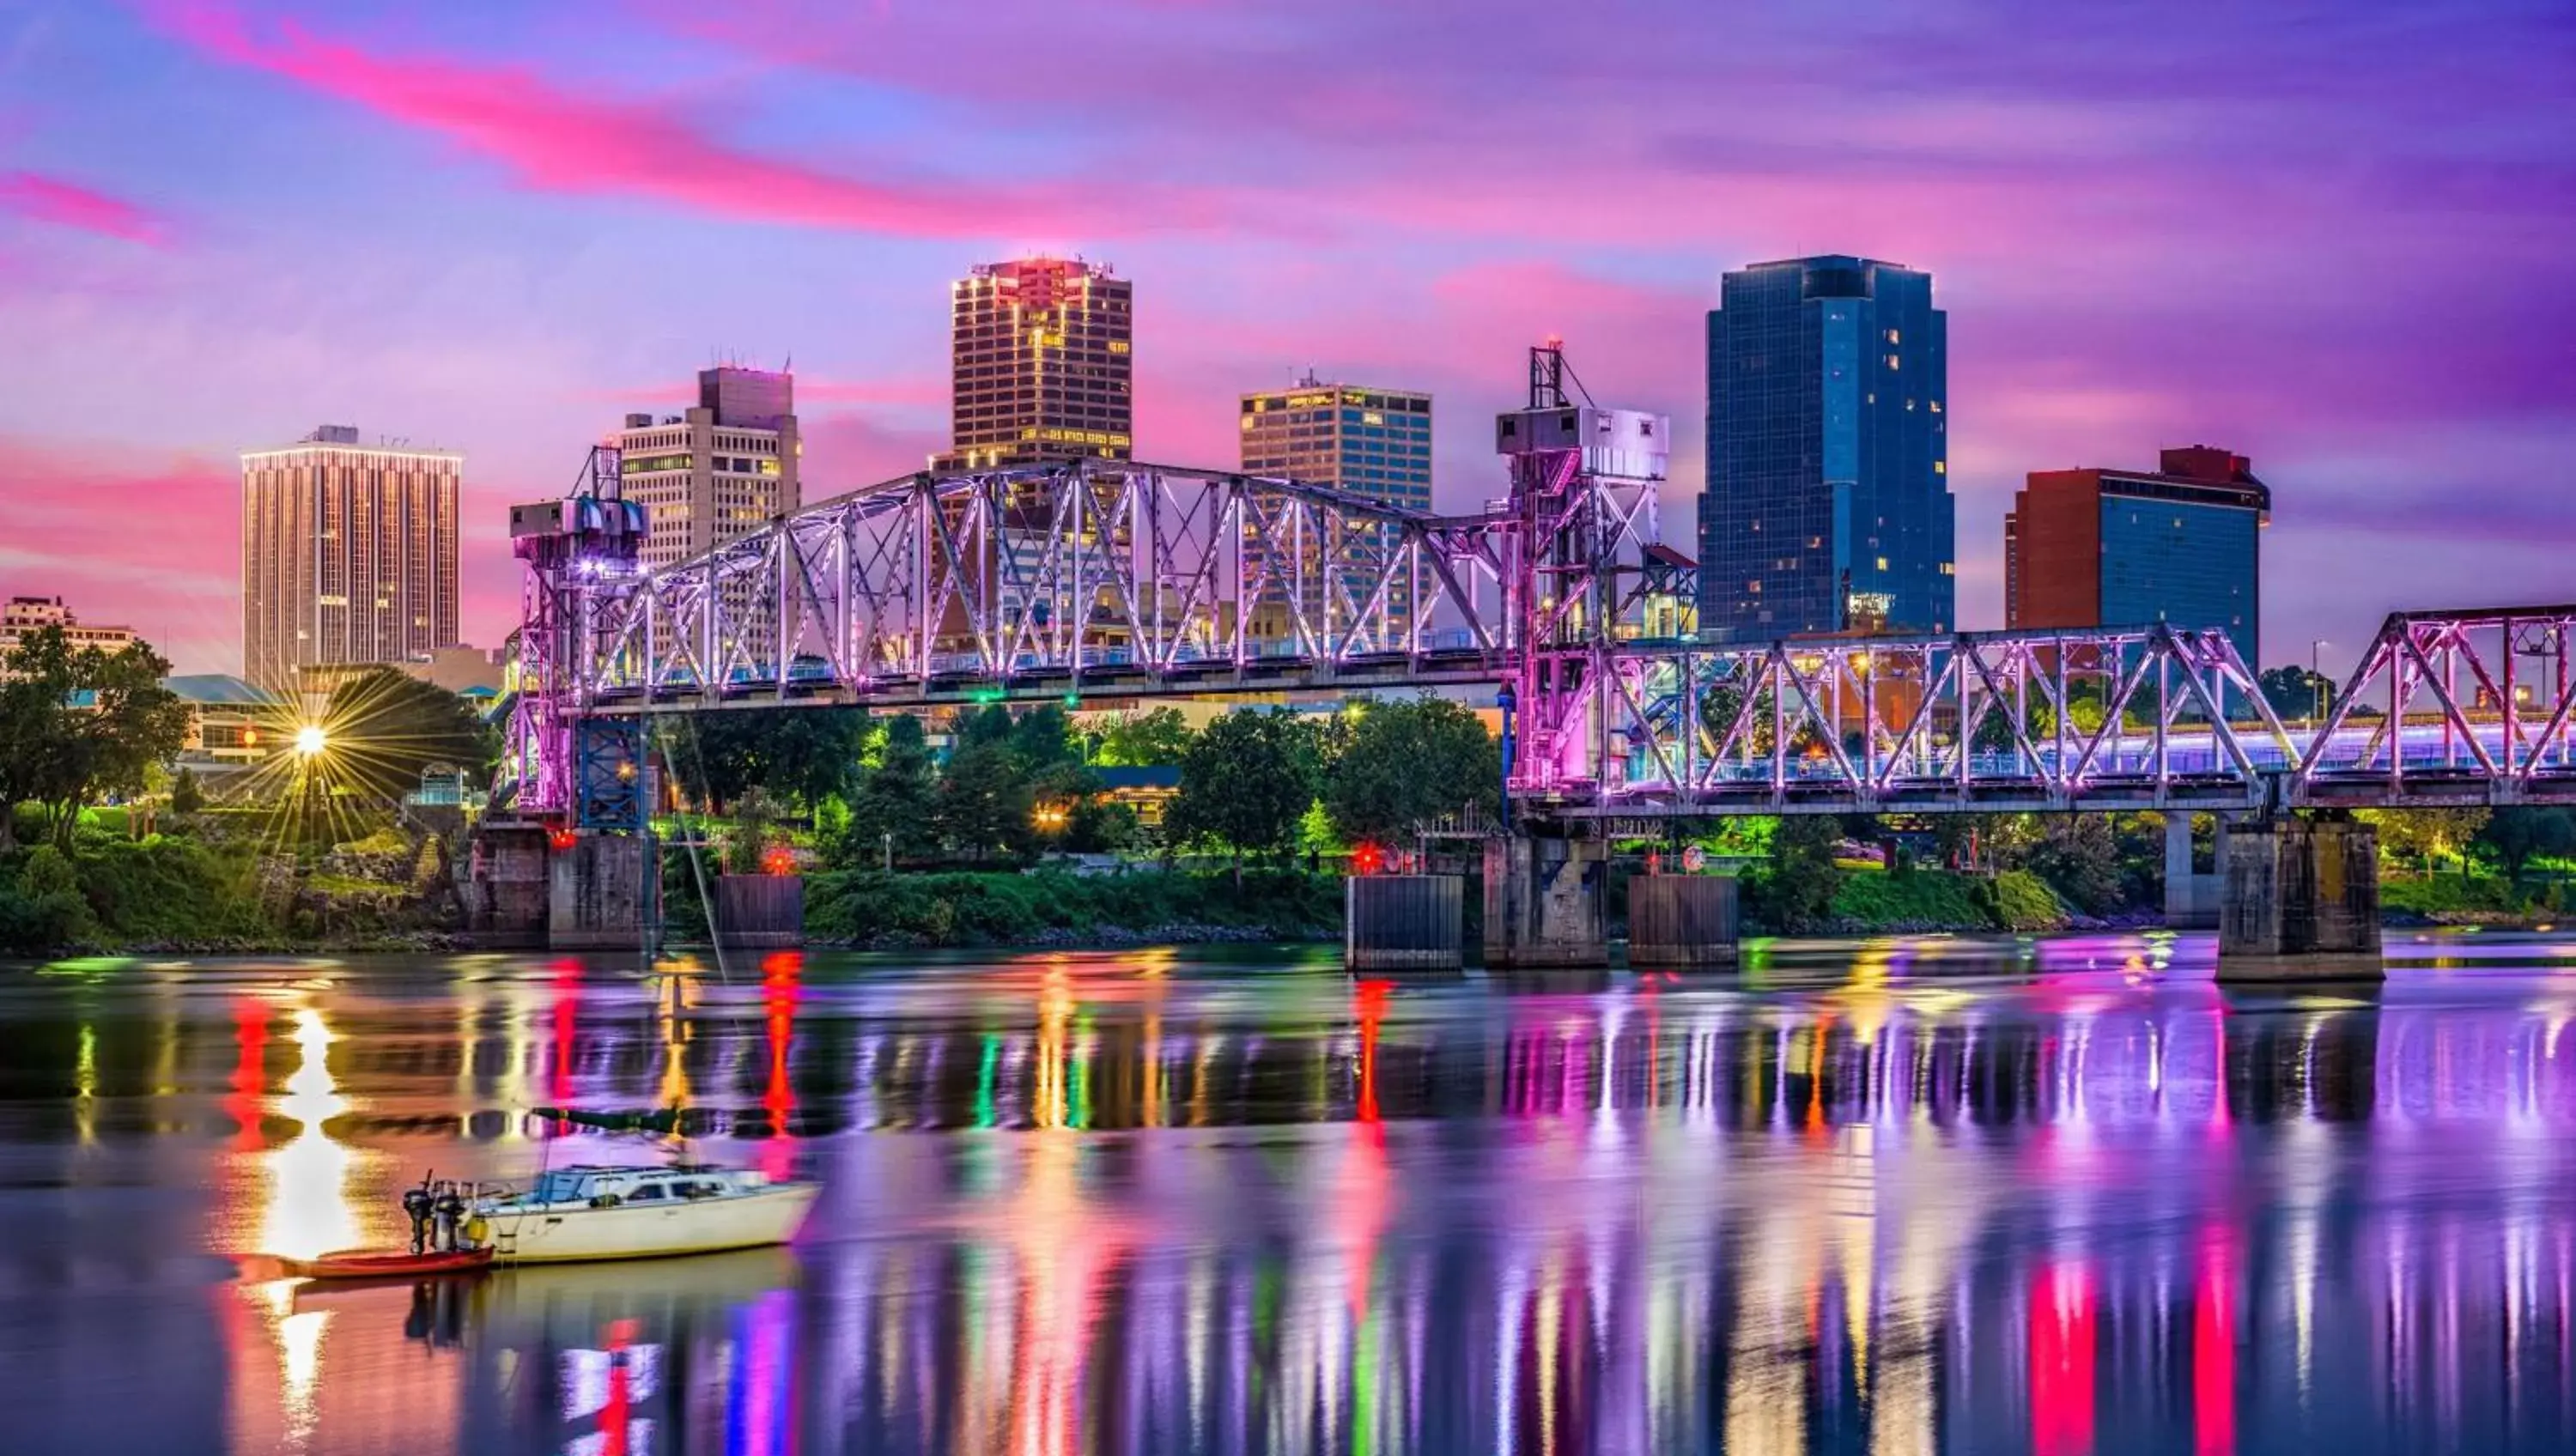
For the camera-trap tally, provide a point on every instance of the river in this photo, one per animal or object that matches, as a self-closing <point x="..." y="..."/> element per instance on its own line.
<point x="2061" y="1196"/>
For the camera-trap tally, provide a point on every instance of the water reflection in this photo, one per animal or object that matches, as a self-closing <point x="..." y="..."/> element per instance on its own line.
<point x="2059" y="1196"/>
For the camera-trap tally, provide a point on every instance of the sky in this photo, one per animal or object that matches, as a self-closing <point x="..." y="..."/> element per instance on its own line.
<point x="2335" y="237"/>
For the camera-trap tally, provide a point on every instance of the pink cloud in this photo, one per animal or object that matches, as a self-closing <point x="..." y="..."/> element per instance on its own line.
<point x="559" y="141"/>
<point x="145" y="539"/>
<point x="68" y="204"/>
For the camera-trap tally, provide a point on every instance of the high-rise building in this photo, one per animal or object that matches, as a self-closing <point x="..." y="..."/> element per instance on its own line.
<point x="23" y="617"/>
<point x="1827" y="506"/>
<point x="2122" y="548"/>
<point x="716" y="472"/>
<point x="348" y="554"/>
<point x="1359" y="438"/>
<point x="1042" y="360"/>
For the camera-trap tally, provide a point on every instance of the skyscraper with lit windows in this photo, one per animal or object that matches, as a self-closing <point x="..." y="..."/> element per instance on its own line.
<point x="1359" y="438"/>
<point x="717" y="472"/>
<point x="1827" y="506"/>
<point x="348" y="554"/>
<point x="1042" y="365"/>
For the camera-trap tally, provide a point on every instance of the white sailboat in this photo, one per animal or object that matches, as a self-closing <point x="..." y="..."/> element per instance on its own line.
<point x="599" y="1212"/>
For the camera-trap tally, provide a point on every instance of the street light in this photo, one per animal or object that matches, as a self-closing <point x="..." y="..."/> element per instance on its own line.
<point x="310" y="740"/>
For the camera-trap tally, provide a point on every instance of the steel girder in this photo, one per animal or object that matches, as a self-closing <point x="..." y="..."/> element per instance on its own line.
<point x="2452" y="708"/>
<point x="1096" y="570"/>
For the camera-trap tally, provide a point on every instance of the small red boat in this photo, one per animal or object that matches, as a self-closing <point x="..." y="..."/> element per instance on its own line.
<point x="391" y="1263"/>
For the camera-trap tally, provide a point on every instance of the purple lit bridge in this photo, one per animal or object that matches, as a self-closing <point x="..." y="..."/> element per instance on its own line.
<point x="1126" y="582"/>
<point x="1106" y="579"/>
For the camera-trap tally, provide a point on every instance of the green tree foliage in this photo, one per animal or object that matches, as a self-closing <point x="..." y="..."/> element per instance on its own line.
<point x="1245" y="783"/>
<point x="1409" y="762"/>
<point x="79" y="725"/>
<point x="187" y="796"/>
<point x="2294" y="692"/>
<point x="1795" y="895"/>
<point x="2424" y="835"/>
<point x="803" y="755"/>
<point x="2080" y="855"/>
<point x="2518" y="836"/>
<point x="985" y="800"/>
<point x="896" y="799"/>
<point x="383" y="728"/>
<point x="1153" y="739"/>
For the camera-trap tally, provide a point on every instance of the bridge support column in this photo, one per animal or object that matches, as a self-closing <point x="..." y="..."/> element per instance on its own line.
<point x="2302" y="902"/>
<point x="595" y="892"/>
<point x="2192" y="899"/>
<point x="1681" y="922"/>
<point x="1403" y="922"/>
<point x="1543" y="902"/>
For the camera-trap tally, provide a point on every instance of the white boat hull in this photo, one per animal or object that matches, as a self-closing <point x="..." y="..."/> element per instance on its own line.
<point x="561" y="1234"/>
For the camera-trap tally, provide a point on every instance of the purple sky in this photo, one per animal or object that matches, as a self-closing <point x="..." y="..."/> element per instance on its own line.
<point x="2333" y="236"/>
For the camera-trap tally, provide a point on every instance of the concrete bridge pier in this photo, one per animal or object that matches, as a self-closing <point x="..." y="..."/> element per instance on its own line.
<point x="1543" y="902"/>
<point x="596" y="895"/>
<point x="2192" y="899"/>
<point x="1682" y="922"/>
<point x="1403" y="923"/>
<point x="2301" y="902"/>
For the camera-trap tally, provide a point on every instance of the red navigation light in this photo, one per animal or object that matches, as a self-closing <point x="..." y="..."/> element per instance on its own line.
<point x="561" y="839"/>
<point x="1367" y="859"/>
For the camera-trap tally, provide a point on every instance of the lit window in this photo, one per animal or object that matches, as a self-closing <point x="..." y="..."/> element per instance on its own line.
<point x="1882" y="563"/>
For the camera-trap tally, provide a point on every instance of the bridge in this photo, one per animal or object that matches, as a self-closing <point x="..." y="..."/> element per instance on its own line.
<point x="1125" y="581"/>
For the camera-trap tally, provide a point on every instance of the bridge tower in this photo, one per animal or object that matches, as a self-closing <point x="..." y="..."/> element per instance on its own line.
<point x="1583" y="510"/>
<point x="570" y="863"/>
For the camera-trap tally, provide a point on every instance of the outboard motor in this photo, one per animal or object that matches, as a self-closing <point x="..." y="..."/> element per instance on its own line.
<point x="448" y="1211"/>
<point x="415" y="1205"/>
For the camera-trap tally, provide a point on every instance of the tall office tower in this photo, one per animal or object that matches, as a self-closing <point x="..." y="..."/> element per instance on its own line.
<point x="716" y="472"/>
<point x="1368" y="441"/>
<point x="348" y="554"/>
<point x="1827" y="507"/>
<point x="1043" y="368"/>
<point x="2120" y="548"/>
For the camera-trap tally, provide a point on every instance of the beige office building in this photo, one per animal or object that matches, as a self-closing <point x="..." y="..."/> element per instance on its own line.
<point x="24" y="617"/>
<point x="718" y="472"/>
<point x="348" y="554"/>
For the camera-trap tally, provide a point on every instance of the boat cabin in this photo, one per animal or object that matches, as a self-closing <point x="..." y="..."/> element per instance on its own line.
<point x="601" y="1187"/>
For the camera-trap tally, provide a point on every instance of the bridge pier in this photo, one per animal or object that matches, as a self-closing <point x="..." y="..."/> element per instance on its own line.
<point x="1403" y="922"/>
<point x="1543" y="902"/>
<point x="1682" y="922"/>
<point x="595" y="892"/>
<point x="2192" y="899"/>
<point x="2302" y="903"/>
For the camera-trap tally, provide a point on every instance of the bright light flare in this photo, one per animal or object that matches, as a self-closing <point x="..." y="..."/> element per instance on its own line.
<point x="310" y="740"/>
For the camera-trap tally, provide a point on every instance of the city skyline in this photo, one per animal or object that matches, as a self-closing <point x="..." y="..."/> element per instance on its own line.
<point x="2121" y="277"/>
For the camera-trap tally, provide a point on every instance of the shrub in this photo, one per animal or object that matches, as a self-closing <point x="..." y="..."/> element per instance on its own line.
<point x="2022" y="901"/>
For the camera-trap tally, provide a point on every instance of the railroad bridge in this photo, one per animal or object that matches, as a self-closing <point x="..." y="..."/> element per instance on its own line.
<point x="1124" y="581"/>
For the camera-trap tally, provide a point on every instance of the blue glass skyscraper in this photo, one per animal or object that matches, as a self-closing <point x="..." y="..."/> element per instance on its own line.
<point x="1827" y="506"/>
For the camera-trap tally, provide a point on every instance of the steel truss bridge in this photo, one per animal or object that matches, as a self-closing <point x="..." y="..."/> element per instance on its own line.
<point x="1123" y="581"/>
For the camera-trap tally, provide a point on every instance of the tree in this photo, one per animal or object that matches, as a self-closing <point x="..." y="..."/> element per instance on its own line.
<point x="1245" y="783"/>
<point x="1409" y="762"/>
<point x="2424" y="834"/>
<point x="382" y="728"/>
<point x="893" y="811"/>
<point x="78" y="726"/>
<point x="2520" y="835"/>
<point x="984" y="800"/>
<point x="804" y="754"/>
<point x="2079" y="856"/>
<point x="1143" y="740"/>
<point x="187" y="796"/>
<point x="1797" y="894"/>
<point x="2295" y="692"/>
